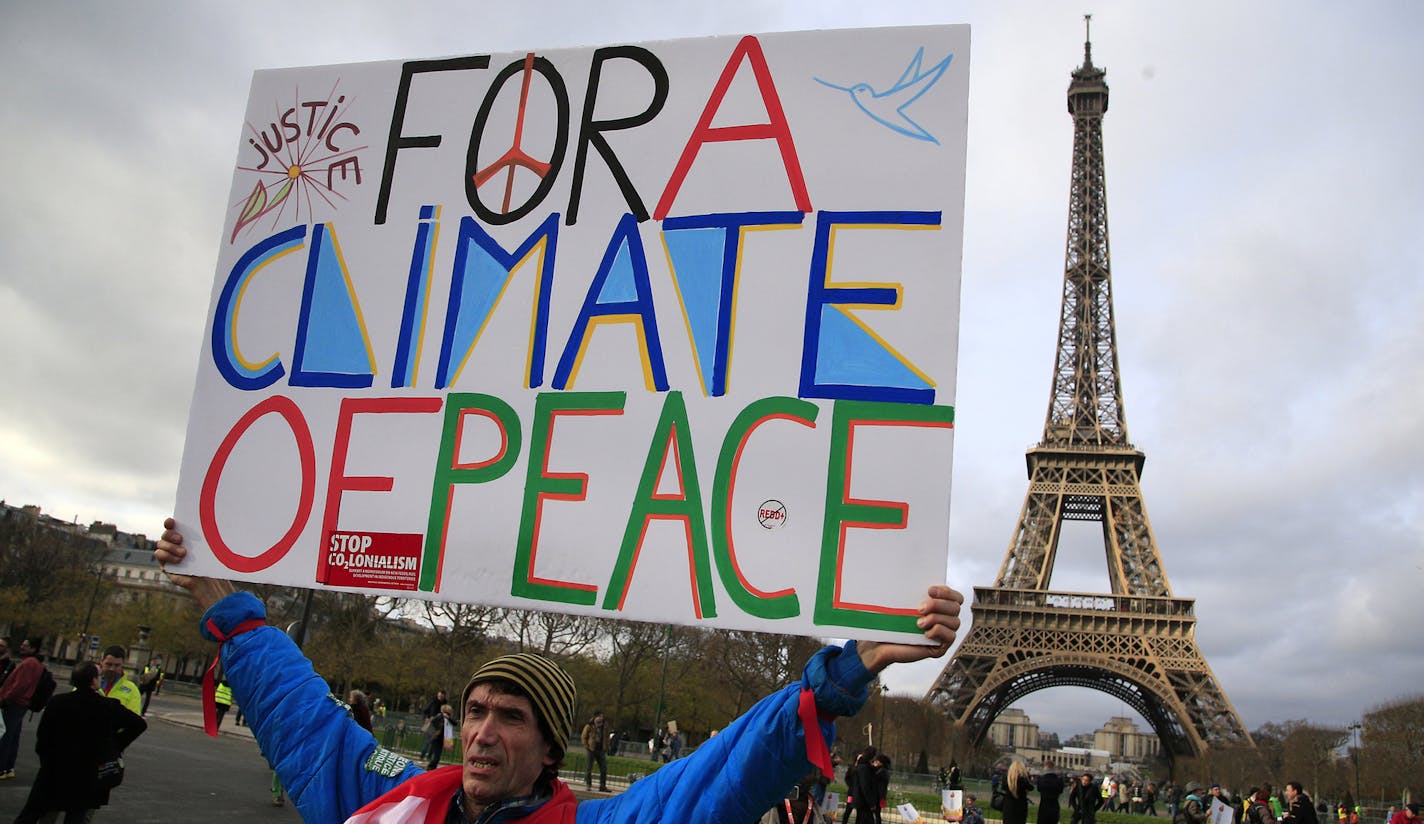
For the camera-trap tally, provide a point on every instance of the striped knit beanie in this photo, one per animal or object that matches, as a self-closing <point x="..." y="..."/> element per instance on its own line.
<point x="550" y="690"/>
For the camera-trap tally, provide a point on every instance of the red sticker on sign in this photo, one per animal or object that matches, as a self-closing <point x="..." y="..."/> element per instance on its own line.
<point x="374" y="560"/>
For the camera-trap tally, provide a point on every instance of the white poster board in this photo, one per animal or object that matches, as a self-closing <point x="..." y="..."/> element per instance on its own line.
<point x="951" y="804"/>
<point x="665" y="331"/>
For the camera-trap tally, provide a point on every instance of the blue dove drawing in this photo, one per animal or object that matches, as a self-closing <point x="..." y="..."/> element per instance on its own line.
<point x="888" y="107"/>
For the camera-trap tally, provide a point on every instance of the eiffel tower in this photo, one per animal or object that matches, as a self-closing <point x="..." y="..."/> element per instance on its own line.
<point x="1137" y="643"/>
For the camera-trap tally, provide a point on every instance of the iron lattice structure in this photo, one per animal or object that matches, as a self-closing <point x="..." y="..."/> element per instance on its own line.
<point x="1137" y="643"/>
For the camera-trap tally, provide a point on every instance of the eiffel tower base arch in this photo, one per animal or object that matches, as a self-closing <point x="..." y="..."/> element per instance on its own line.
<point x="1138" y="649"/>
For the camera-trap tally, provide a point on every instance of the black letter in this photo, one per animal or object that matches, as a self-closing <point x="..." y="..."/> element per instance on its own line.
<point x="396" y="142"/>
<point x="591" y="131"/>
<point x="515" y="156"/>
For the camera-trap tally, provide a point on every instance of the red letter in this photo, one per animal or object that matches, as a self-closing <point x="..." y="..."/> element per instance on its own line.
<point x="778" y="129"/>
<point x="207" y="514"/>
<point x="339" y="481"/>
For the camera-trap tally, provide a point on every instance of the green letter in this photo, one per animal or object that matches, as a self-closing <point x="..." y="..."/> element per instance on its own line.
<point x="449" y="472"/>
<point x="843" y="513"/>
<point x="541" y="485"/>
<point x="686" y="506"/>
<point x="782" y="603"/>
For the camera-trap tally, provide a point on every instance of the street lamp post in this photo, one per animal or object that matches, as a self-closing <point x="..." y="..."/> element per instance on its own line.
<point x="884" y="691"/>
<point x="1355" y="757"/>
<point x="298" y="631"/>
<point x="662" y="686"/>
<point x="93" y="597"/>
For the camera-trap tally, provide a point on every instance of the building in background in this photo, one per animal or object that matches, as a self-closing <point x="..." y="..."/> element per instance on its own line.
<point x="1116" y="742"/>
<point x="123" y="560"/>
<point x="1121" y="737"/>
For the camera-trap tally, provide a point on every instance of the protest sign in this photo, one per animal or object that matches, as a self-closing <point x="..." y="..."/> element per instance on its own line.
<point x="662" y="331"/>
<point x="951" y="804"/>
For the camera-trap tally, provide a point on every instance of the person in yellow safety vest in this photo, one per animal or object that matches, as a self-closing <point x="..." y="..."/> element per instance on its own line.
<point x="115" y="684"/>
<point x="223" y="698"/>
<point x="1109" y="792"/>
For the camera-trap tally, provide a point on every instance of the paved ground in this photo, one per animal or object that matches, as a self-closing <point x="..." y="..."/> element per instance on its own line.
<point x="175" y="772"/>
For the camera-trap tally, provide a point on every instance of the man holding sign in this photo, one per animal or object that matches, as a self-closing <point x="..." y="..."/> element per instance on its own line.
<point x="517" y="716"/>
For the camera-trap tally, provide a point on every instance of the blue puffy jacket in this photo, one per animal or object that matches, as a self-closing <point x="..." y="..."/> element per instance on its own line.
<point x="331" y="766"/>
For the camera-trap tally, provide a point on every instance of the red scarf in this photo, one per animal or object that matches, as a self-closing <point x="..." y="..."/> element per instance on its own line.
<point x="816" y="751"/>
<point x="426" y="799"/>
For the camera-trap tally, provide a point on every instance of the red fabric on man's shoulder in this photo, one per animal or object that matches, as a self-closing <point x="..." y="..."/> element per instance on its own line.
<point x="425" y="799"/>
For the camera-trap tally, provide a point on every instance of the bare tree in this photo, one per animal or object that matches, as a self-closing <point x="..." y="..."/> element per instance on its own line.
<point x="636" y="648"/>
<point x="1392" y="749"/>
<point x="750" y="665"/>
<point x="459" y="634"/>
<point x="1310" y="750"/>
<point x="342" y="638"/>
<point x="551" y="633"/>
<point x="47" y="576"/>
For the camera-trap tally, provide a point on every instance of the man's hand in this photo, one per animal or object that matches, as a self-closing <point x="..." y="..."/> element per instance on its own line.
<point x="939" y="618"/>
<point x="206" y="591"/>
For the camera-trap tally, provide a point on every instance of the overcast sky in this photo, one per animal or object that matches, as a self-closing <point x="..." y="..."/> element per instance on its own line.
<point x="1266" y="206"/>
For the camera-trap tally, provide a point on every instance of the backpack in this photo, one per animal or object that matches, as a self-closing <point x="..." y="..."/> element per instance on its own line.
<point x="1183" y="816"/>
<point x="996" y="801"/>
<point x="43" y="690"/>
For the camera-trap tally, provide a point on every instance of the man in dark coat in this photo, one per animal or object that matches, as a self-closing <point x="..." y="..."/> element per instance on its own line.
<point x="881" y="767"/>
<point x="78" y="731"/>
<point x="1050" y="786"/>
<point x="867" y="789"/>
<point x="430" y="717"/>
<point x="1301" y="811"/>
<point x="1085" y="799"/>
<point x="852" y="780"/>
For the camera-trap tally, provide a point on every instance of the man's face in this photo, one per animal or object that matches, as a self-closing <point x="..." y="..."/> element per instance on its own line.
<point x="112" y="667"/>
<point x="26" y="649"/>
<point x="1291" y="793"/>
<point x="504" y="750"/>
<point x="1216" y="791"/>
